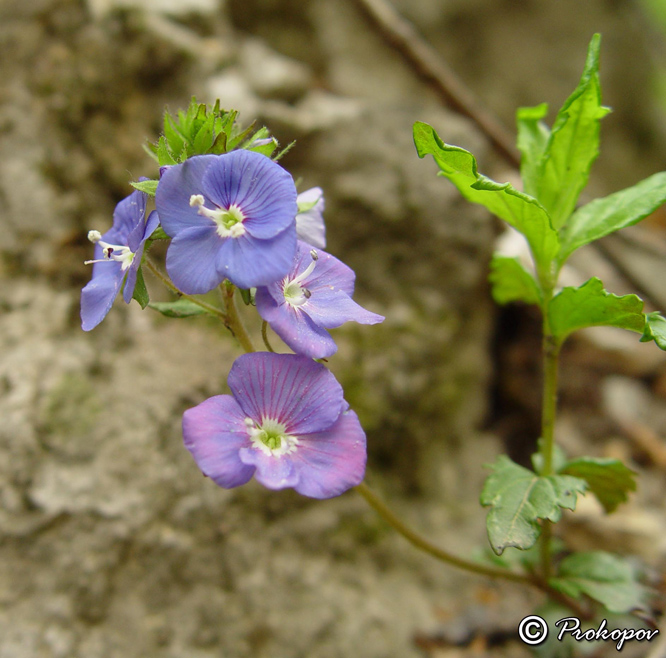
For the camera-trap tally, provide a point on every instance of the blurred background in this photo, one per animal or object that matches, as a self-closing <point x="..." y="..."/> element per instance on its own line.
<point x="112" y="544"/>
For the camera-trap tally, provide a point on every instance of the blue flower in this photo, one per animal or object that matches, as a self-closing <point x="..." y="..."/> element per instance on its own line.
<point x="230" y="216"/>
<point x="315" y="296"/>
<point x="286" y="423"/>
<point x="117" y="258"/>
<point x="310" y="225"/>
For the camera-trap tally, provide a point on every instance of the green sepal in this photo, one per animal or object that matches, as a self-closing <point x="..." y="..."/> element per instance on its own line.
<point x="511" y="282"/>
<point x="573" y="145"/>
<point x="519" y="498"/>
<point x="159" y="234"/>
<point x="533" y="136"/>
<point x="590" y="305"/>
<point x="604" y="577"/>
<point x="609" y="214"/>
<point x="246" y="295"/>
<point x="147" y="186"/>
<point x="608" y="479"/>
<point x="655" y="329"/>
<point x="165" y="156"/>
<point x="520" y="210"/>
<point x="181" y="308"/>
<point x="140" y="290"/>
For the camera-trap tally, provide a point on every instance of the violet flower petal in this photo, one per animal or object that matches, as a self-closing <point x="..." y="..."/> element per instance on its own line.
<point x="295" y="327"/>
<point x="214" y="432"/>
<point x="100" y="292"/>
<point x="332" y="308"/>
<point x="293" y="390"/>
<point x="172" y="199"/>
<point x="310" y="225"/>
<point x="331" y="462"/>
<point x="261" y="188"/>
<point x="190" y="260"/>
<point x="272" y="472"/>
<point x="248" y="262"/>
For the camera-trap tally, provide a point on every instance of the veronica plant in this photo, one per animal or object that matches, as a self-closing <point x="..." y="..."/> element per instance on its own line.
<point x="555" y="164"/>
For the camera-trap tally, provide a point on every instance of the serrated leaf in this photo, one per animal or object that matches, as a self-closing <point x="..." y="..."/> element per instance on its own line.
<point x="204" y="139"/>
<point x="608" y="479"/>
<point x="521" y="211"/>
<point x="164" y="155"/>
<point x="511" y="282"/>
<point x="147" y="186"/>
<point x="655" y="329"/>
<point x="533" y="137"/>
<point x="619" y="210"/>
<point x="181" y="308"/>
<point x="172" y="134"/>
<point x="519" y="498"/>
<point x="590" y="305"/>
<point x="603" y="577"/>
<point x="140" y="290"/>
<point x="573" y="145"/>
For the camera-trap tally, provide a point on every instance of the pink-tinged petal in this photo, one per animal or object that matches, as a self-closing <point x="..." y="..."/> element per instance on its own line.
<point x="273" y="472"/>
<point x="190" y="260"/>
<point x="261" y="188"/>
<point x="329" y="463"/>
<point x="294" y="327"/>
<point x="310" y="225"/>
<point x="214" y="432"/>
<point x="332" y="308"/>
<point x="248" y="262"/>
<point x="172" y="199"/>
<point x="99" y="294"/>
<point x="291" y="389"/>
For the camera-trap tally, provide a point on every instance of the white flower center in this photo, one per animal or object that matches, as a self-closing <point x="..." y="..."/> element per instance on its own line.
<point x="229" y="220"/>
<point x="271" y="437"/>
<point x="295" y="293"/>
<point x="111" y="252"/>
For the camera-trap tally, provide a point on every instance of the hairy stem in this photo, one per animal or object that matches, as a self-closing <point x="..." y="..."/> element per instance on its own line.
<point x="233" y="321"/>
<point x="426" y="546"/>
<point x="213" y="310"/>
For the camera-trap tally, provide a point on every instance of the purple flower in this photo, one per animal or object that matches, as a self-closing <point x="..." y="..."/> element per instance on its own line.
<point x="313" y="297"/>
<point x="310" y="225"/>
<point x="230" y="216"/>
<point x="117" y="257"/>
<point x="286" y="423"/>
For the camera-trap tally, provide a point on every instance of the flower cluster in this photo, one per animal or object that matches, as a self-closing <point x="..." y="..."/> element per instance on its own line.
<point x="237" y="216"/>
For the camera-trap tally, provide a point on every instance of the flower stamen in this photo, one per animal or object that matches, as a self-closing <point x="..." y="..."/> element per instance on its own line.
<point x="229" y="220"/>
<point x="294" y="293"/>
<point x="111" y="252"/>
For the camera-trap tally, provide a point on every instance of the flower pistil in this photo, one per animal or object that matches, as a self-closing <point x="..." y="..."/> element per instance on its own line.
<point x="294" y="293"/>
<point x="271" y="437"/>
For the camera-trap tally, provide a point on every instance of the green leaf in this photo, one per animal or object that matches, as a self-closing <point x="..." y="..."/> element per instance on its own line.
<point x="608" y="479"/>
<point x="655" y="329"/>
<point x="590" y="305"/>
<point x="172" y="135"/>
<point x="148" y="186"/>
<point x="533" y="137"/>
<point x="511" y="282"/>
<point x="603" y="577"/>
<point x="246" y="295"/>
<point x="140" y="290"/>
<point x="164" y="155"/>
<point x="521" y="211"/>
<point x="519" y="498"/>
<point x="181" y="308"/>
<point x="559" y="458"/>
<point x="573" y="145"/>
<point x="619" y="210"/>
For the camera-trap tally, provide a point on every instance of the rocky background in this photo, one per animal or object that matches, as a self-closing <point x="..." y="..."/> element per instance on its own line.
<point x="112" y="545"/>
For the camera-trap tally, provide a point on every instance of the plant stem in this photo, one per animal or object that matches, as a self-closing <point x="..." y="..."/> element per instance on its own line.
<point x="264" y="335"/>
<point x="550" y="353"/>
<point x="233" y="321"/>
<point x="213" y="310"/>
<point x="423" y="544"/>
